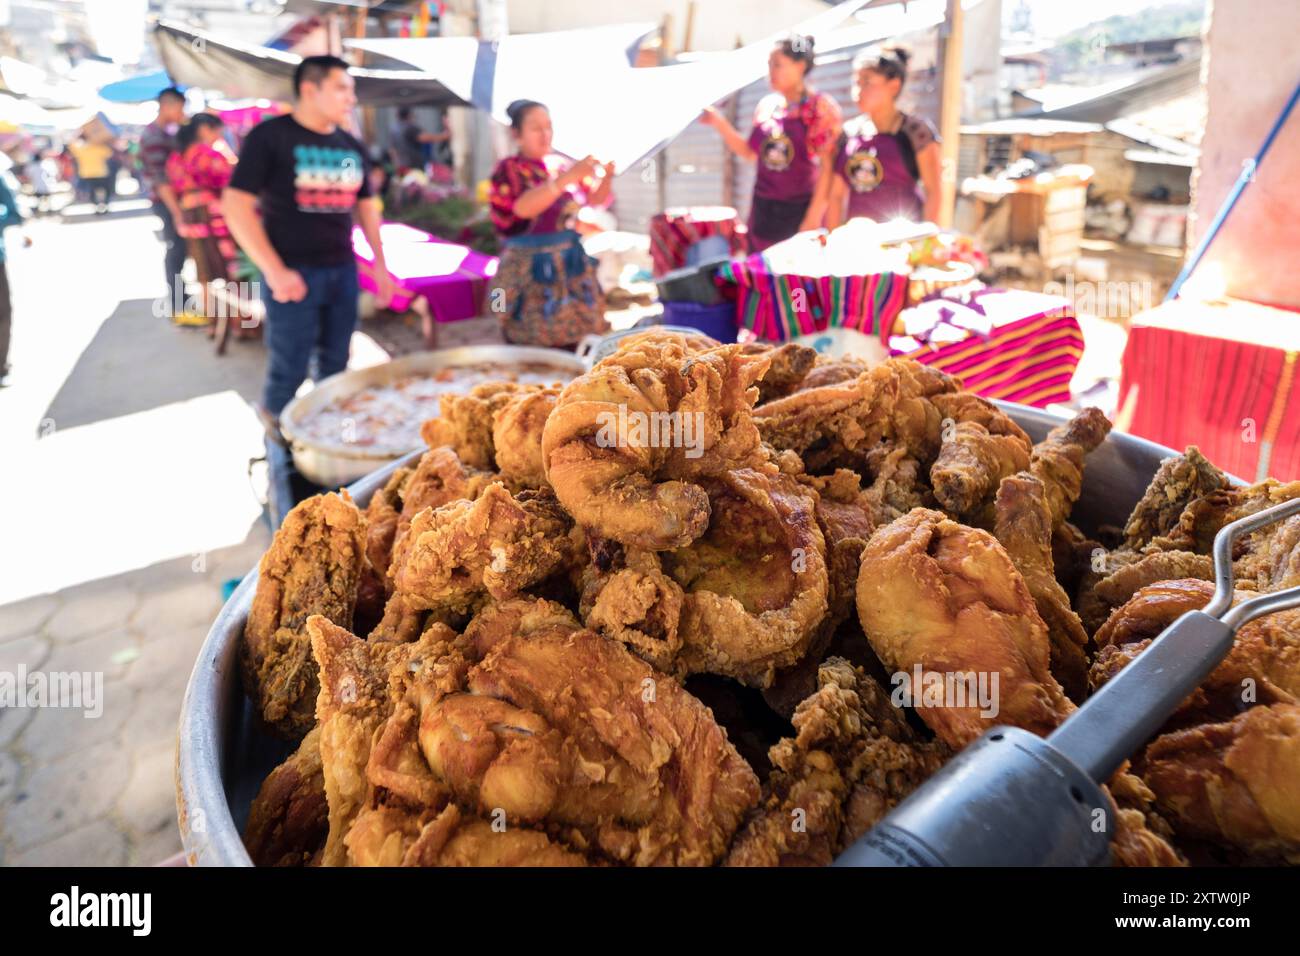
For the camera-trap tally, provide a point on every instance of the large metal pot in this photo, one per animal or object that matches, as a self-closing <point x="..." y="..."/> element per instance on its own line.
<point x="334" y="465"/>
<point x="222" y="759"/>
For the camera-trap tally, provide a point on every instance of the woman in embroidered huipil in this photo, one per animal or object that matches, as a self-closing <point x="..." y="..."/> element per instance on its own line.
<point x="545" y="289"/>
<point x="791" y="142"/>
<point x="886" y="162"/>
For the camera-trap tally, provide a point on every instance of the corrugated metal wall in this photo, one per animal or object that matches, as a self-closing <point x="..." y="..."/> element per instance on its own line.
<point x="695" y="163"/>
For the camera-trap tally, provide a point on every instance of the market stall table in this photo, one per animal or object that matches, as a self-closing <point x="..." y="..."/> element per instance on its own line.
<point x="1220" y="375"/>
<point x="452" y="279"/>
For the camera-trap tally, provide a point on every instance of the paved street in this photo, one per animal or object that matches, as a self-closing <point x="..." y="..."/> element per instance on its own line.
<point x="128" y="501"/>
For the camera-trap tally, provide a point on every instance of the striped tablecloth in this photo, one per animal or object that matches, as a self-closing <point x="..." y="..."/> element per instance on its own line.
<point x="1006" y="343"/>
<point x="778" y="307"/>
<point x="674" y="231"/>
<point x="1221" y="375"/>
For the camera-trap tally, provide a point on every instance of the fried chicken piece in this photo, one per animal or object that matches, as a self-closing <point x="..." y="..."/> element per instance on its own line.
<point x="566" y="728"/>
<point x="498" y="545"/>
<point x="1234" y="783"/>
<point x="314" y="566"/>
<point x="981" y="446"/>
<point x="852" y="759"/>
<point x="382" y="515"/>
<point x="465" y="421"/>
<point x="837" y="423"/>
<point x="1109" y="592"/>
<point x="1141" y="835"/>
<point x="439" y="478"/>
<point x="1178" y="482"/>
<point x="756" y="583"/>
<point x="1204" y="517"/>
<point x="361" y="683"/>
<point x="744" y="600"/>
<point x="829" y="423"/>
<point x="517" y="428"/>
<point x="638" y="605"/>
<point x="289" y="817"/>
<point x="790" y="363"/>
<point x="1263" y="665"/>
<point x="454" y="839"/>
<point x="936" y="594"/>
<point x="657" y="336"/>
<point x="896" y="482"/>
<point x="831" y="371"/>
<point x="846" y="515"/>
<point x="1057" y="460"/>
<point x="517" y="617"/>
<point x="629" y="441"/>
<point x="1024" y="529"/>
<point x="1269" y="559"/>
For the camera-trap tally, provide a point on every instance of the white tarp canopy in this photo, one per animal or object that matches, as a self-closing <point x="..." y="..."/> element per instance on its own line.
<point x="603" y="108"/>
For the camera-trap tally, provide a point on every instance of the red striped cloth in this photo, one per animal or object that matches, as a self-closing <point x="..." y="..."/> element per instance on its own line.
<point x="1023" y="348"/>
<point x="1220" y="375"/>
<point x="675" y="231"/>
<point x="778" y="307"/>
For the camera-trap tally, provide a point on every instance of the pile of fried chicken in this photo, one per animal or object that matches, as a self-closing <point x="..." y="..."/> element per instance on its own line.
<point x="540" y="646"/>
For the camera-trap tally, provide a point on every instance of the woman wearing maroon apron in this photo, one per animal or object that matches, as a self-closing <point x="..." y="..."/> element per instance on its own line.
<point x="886" y="162"/>
<point x="792" y="140"/>
<point x="545" y="290"/>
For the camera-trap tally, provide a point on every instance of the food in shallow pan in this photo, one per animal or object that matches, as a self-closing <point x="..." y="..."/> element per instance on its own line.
<point x="558" y="640"/>
<point x="387" y="417"/>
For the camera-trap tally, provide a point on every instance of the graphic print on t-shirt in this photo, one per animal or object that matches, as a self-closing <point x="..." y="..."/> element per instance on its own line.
<point x="326" y="179"/>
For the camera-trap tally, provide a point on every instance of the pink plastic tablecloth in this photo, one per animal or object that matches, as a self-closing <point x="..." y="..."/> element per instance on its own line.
<point x="452" y="278"/>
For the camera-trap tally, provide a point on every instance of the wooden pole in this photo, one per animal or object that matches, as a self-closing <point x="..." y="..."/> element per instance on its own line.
<point x="666" y="53"/>
<point x="950" y="41"/>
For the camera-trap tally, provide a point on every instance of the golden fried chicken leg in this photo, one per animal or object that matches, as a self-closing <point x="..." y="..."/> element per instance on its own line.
<point x="1024" y="528"/>
<point x="935" y="594"/>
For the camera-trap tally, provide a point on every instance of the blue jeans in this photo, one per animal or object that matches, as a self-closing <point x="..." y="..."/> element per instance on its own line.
<point x="319" y="327"/>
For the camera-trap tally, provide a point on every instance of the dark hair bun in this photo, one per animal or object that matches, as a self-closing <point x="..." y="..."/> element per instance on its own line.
<point x="901" y="53"/>
<point x="518" y="110"/>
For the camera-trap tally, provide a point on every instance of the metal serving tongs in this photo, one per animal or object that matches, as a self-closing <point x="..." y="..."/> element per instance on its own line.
<point x="1013" y="798"/>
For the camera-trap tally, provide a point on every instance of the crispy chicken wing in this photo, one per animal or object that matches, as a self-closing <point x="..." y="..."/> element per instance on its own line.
<point x="629" y="441"/>
<point x="314" y="566"/>
<point x="1057" y="460"/>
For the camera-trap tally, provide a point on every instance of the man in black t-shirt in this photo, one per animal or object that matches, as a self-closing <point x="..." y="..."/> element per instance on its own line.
<point x="308" y="175"/>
